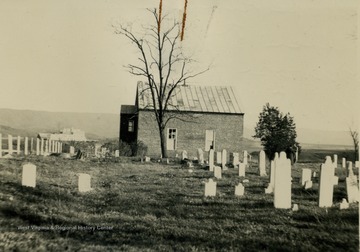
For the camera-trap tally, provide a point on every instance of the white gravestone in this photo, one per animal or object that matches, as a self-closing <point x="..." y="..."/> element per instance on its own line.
<point x="335" y="160"/>
<point x="84" y="182"/>
<point x="282" y="188"/>
<point x="0" y="145"/>
<point x="26" y="146"/>
<point x="200" y="156"/>
<point x="352" y="189"/>
<point x="262" y="170"/>
<point x="326" y="183"/>
<point x="245" y="157"/>
<point x="211" y="160"/>
<point x="308" y="184"/>
<point x="242" y="170"/>
<point x="239" y="190"/>
<point x="357" y="164"/>
<point x="350" y="172"/>
<point x="72" y="150"/>
<point x="344" y="204"/>
<point x="217" y="172"/>
<point x="223" y="159"/>
<point x="305" y="176"/>
<point x="42" y="147"/>
<point x="184" y="155"/>
<point x="18" y="145"/>
<point x="218" y="157"/>
<point x="210" y="188"/>
<point x="235" y="159"/>
<point x="117" y="153"/>
<point x="37" y="146"/>
<point x="270" y="188"/>
<point x="10" y="144"/>
<point x="29" y="175"/>
<point x="343" y="162"/>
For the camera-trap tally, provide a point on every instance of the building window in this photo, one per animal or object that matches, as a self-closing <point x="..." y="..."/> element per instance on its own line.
<point x="131" y="126"/>
<point x="171" y="139"/>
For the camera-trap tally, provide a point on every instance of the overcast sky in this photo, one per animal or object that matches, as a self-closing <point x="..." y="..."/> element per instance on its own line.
<point x="298" y="55"/>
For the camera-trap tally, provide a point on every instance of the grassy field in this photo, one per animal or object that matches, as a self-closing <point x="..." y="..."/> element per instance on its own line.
<point x="153" y="207"/>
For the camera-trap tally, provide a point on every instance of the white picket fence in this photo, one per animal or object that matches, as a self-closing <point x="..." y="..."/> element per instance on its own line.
<point x="41" y="147"/>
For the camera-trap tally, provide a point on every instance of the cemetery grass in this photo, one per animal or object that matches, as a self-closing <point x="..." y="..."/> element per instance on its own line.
<point x="153" y="207"/>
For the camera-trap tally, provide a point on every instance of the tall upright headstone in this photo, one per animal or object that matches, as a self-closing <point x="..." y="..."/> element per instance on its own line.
<point x="26" y="146"/>
<point x="335" y="160"/>
<point x="242" y="170"/>
<point x="42" y="146"/>
<point x="344" y="163"/>
<point x="211" y="160"/>
<point x="32" y="145"/>
<point x="29" y="175"/>
<point x="200" y="156"/>
<point x="350" y="172"/>
<point x="218" y="157"/>
<point x="50" y="146"/>
<point x="18" y="145"/>
<point x="282" y="188"/>
<point x="235" y="159"/>
<point x="305" y="176"/>
<point x="72" y="150"/>
<point x="223" y="159"/>
<point x="37" y="146"/>
<point x="352" y="189"/>
<point x="210" y="188"/>
<point x="84" y="182"/>
<point x="326" y="183"/>
<point x="10" y="144"/>
<point x="245" y="157"/>
<point x="262" y="168"/>
<point x="0" y="145"/>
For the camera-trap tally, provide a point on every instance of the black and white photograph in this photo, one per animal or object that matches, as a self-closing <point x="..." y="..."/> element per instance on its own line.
<point x="179" y="125"/>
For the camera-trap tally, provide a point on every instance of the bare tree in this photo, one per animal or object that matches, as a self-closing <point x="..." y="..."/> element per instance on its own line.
<point x="163" y="64"/>
<point x="355" y="137"/>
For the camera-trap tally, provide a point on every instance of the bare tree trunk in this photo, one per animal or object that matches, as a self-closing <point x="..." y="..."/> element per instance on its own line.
<point x="163" y="143"/>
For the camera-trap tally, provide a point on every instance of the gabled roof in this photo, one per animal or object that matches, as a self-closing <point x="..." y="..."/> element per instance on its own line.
<point x="215" y="99"/>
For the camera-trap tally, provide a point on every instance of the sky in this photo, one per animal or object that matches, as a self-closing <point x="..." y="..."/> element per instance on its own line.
<point x="300" y="56"/>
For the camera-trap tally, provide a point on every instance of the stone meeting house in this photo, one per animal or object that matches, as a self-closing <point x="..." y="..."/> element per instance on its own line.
<point x="205" y="117"/>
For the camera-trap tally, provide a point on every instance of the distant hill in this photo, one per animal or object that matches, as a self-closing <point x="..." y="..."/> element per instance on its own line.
<point x="29" y="122"/>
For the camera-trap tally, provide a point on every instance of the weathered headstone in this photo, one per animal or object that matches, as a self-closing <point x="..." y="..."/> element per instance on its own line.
<point x="84" y="182"/>
<point x="37" y="146"/>
<point x="29" y="175"/>
<point x="352" y="189"/>
<point x="184" y="155"/>
<point x="282" y="188"/>
<point x="211" y="160"/>
<point x="308" y="184"/>
<point x="242" y="168"/>
<point x="223" y="159"/>
<point x="305" y="176"/>
<point x="42" y="147"/>
<point x="245" y="157"/>
<point x="18" y="145"/>
<point x="147" y="159"/>
<point x="350" y="172"/>
<point x="357" y="164"/>
<point x="72" y="150"/>
<point x="262" y="169"/>
<point x="217" y="172"/>
<point x="295" y="207"/>
<point x="326" y="183"/>
<point x="117" y="153"/>
<point x="344" y="163"/>
<point x="344" y="204"/>
<point x="200" y="156"/>
<point x="239" y="190"/>
<point x="335" y="160"/>
<point x="26" y="146"/>
<point x="218" y="157"/>
<point x="10" y="144"/>
<point x="235" y="159"/>
<point x="210" y="188"/>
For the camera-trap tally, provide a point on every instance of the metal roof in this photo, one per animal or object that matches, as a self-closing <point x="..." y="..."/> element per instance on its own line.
<point x="215" y="99"/>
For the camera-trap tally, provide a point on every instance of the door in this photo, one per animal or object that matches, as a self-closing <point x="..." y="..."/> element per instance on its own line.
<point x="209" y="140"/>
<point x="171" y="139"/>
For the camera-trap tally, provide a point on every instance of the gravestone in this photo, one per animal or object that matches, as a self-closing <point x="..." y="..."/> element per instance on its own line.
<point x="305" y="176"/>
<point x="235" y="159"/>
<point x="18" y="145"/>
<point x="282" y="188"/>
<point x="350" y="172"/>
<point x="0" y="145"/>
<point x="200" y="156"/>
<point x="117" y="153"/>
<point x="326" y="183"/>
<point x="262" y="170"/>
<point x="344" y="204"/>
<point x="42" y="147"/>
<point x="344" y="163"/>
<point x="211" y="160"/>
<point x="308" y="184"/>
<point x="49" y="146"/>
<point x="218" y="157"/>
<point x="335" y="160"/>
<point x="29" y="175"/>
<point x="147" y="159"/>
<point x="223" y="159"/>
<point x="10" y="144"/>
<point x="270" y="188"/>
<point x="352" y="189"/>
<point x="242" y="170"/>
<point x="184" y="155"/>
<point x="84" y="182"/>
<point x="26" y="146"/>
<point x="72" y="150"/>
<point x="357" y="164"/>
<point x="210" y="188"/>
<point x="245" y="157"/>
<point x="239" y="190"/>
<point x="37" y="146"/>
<point x="217" y="172"/>
<point x="295" y="207"/>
